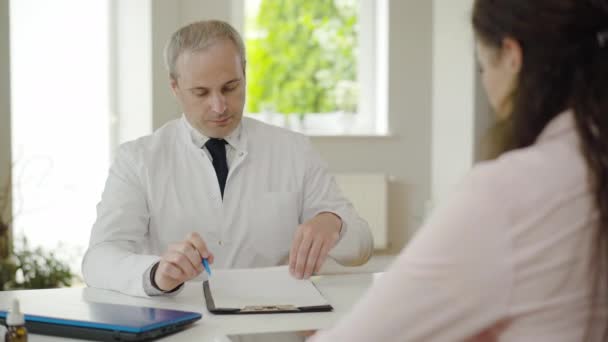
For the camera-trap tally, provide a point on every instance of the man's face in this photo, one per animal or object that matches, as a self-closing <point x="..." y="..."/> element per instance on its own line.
<point x="210" y="88"/>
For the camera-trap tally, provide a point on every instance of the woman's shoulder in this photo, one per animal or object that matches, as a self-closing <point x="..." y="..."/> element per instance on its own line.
<point x="529" y="176"/>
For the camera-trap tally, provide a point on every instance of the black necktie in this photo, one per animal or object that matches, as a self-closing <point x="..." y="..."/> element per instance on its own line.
<point x="217" y="148"/>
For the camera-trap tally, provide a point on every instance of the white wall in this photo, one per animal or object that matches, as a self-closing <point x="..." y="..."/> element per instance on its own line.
<point x="165" y="19"/>
<point x="455" y="95"/>
<point x="132" y="95"/>
<point x="5" y="97"/>
<point x="405" y="155"/>
<point x="461" y="112"/>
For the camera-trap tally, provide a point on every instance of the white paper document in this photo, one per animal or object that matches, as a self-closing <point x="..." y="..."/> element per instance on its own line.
<point x="238" y="288"/>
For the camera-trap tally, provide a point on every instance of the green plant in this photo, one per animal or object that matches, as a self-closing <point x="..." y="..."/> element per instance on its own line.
<point x="36" y="268"/>
<point x="26" y="267"/>
<point x="5" y="221"/>
<point x="8" y="269"/>
<point x="303" y="56"/>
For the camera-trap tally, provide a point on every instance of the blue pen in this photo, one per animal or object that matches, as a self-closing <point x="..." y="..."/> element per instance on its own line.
<point x="206" y="266"/>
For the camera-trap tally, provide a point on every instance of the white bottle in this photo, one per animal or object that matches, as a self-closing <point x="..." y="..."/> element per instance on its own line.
<point x="15" y="325"/>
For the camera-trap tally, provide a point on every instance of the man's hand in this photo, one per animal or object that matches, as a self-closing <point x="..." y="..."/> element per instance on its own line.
<point x="311" y="244"/>
<point x="181" y="262"/>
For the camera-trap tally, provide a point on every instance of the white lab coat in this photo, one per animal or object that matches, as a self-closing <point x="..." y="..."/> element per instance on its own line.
<point x="162" y="187"/>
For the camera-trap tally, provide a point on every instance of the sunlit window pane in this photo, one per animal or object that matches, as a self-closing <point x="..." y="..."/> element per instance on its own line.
<point x="60" y="120"/>
<point x="302" y="57"/>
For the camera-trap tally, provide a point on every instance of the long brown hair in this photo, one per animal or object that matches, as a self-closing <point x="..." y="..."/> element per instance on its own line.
<point x="565" y="66"/>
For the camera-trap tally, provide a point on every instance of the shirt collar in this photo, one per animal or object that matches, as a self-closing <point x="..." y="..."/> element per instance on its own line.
<point x="234" y="139"/>
<point x="561" y="124"/>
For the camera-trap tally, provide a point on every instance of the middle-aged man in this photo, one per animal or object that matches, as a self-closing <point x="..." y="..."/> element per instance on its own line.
<point x="215" y="185"/>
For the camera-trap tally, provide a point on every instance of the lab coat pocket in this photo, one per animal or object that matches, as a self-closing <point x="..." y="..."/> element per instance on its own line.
<point x="274" y="219"/>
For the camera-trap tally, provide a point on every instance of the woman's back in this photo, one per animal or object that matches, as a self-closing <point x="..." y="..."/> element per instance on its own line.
<point x="512" y="244"/>
<point x="553" y="220"/>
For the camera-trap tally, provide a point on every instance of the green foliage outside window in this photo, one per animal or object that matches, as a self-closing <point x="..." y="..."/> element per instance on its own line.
<point x="26" y="267"/>
<point x="302" y="57"/>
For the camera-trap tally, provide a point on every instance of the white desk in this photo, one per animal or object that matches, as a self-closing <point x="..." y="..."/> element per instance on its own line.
<point x="342" y="291"/>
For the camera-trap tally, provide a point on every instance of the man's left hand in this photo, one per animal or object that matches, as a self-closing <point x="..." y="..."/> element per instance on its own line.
<point x="312" y="242"/>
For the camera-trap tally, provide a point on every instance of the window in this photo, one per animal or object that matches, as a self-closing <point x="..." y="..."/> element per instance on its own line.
<point x="60" y="120"/>
<point x="305" y="63"/>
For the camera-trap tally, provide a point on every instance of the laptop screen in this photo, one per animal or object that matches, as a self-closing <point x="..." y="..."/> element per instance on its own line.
<point x="100" y="320"/>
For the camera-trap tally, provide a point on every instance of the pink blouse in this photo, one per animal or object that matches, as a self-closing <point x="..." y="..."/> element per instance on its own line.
<point x="509" y="249"/>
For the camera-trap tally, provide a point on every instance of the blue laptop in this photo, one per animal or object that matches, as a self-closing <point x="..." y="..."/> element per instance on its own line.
<point x="109" y="322"/>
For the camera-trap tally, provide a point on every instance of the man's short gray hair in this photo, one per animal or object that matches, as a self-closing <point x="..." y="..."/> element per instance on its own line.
<point x="198" y="36"/>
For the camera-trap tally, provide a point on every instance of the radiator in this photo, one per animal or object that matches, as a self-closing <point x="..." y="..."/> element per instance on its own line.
<point x="369" y="194"/>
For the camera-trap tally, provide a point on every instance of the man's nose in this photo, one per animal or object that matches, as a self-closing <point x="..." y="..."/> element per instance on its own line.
<point x="218" y="103"/>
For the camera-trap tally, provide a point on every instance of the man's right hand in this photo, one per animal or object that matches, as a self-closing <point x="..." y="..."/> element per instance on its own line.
<point x="181" y="262"/>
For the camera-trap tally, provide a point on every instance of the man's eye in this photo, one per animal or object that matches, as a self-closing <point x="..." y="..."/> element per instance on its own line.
<point x="200" y="94"/>
<point x="229" y="89"/>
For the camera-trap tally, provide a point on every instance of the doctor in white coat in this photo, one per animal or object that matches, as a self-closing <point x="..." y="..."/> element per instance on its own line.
<point x="215" y="185"/>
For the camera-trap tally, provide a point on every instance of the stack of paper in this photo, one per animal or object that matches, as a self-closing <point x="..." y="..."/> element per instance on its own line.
<point x="239" y="288"/>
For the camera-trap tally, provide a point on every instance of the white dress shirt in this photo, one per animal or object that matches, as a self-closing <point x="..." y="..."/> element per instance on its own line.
<point x="200" y="140"/>
<point x="163" y="186"/>
<point x="513" y="243"/>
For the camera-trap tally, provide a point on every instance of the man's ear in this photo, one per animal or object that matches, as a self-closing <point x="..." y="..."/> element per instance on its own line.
<point x="512" y="55"/>
<point x="173" y="84"/>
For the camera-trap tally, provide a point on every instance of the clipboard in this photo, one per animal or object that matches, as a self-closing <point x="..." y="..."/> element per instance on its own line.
<point x="273" y="279"/>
